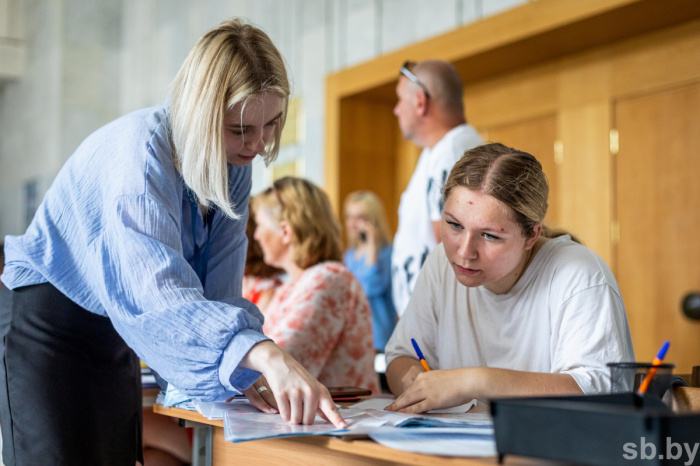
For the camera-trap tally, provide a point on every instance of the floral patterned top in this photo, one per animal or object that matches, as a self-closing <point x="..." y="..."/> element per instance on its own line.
<point x="259" y="286"/>
<point x="323" y="320"/>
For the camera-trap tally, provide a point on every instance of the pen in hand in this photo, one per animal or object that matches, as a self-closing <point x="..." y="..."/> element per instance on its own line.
<point x="420" y="355"/>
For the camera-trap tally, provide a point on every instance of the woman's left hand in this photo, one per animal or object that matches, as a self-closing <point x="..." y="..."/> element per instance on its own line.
<point x="436" y="389"/>
<point x="260" y="395"/>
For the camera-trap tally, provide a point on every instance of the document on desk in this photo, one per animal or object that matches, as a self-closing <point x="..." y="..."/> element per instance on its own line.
<point x="436" y="418"/>
<point x="436" y="433"/>
<point x="453" y="434"/>
<point x="446" y="441"/>
<point x="241" y="427"/>
<point x="214" y="410"/>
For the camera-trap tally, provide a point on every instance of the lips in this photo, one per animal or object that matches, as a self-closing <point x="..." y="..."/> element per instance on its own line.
<point x="466" y="271"/>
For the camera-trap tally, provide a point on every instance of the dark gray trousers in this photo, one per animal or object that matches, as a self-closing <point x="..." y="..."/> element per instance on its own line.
<point x="70" y="388"/>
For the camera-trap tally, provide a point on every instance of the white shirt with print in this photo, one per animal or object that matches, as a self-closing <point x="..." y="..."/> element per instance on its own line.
<point x="421" y="204"/>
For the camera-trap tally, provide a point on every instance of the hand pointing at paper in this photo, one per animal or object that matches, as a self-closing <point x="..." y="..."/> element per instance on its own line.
<point x="297" y="394"/>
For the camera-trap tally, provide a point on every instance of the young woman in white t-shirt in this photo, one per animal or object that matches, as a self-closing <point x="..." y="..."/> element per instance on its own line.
<point x="505" y="306"/>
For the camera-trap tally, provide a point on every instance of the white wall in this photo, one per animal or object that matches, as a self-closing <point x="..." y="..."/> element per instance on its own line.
<point x="90" y="61"/>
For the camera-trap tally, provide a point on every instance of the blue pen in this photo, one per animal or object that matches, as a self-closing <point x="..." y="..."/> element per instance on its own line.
<point x="420" y="355"/>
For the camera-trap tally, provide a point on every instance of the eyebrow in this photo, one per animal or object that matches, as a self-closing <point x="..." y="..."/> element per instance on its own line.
<point x="488" y="228"/>
<point x="248" y="126"/>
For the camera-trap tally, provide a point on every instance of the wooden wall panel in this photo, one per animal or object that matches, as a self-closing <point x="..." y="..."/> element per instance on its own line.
<point x="332" y="146"/>
<point x="406" y="159"/>
<point x="657" y="204"/>
<point x="512" y="98"/>
<point x="657" y="60"/>
<point x="369" y="162"/>
<point x="586" y="198"/>
<point x="536" y="136"/>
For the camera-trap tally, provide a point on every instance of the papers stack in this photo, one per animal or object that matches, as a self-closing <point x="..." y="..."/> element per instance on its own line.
<point x="452" y="432"/>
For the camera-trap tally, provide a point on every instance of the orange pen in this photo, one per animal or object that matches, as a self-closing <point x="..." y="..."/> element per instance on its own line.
<point x="652" y="370"/>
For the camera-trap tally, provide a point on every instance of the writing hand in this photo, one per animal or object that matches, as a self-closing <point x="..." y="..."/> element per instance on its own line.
<point x="410" y="376"/>
<point x="436" y="389"/>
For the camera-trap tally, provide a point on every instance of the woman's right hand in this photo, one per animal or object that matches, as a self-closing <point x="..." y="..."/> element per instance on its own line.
<point x="436" y="389"/>
<point x="298" y="394"/>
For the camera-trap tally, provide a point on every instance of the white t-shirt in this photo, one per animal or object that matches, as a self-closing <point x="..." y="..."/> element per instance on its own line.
<point x="421" y="204"/>
<point x="564" y="315"/>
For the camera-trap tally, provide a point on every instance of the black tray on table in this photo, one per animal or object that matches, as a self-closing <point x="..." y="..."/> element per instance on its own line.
<point x="614" y="429"/>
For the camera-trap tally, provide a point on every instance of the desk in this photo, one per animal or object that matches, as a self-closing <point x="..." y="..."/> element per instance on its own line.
<point x="319" y="449"/>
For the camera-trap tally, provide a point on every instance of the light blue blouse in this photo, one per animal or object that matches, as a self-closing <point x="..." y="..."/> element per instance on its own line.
<point x="376" y="282"/>
<point x="114" y="234"/>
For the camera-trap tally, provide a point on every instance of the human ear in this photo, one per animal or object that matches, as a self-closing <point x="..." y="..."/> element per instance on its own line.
<point x="421" y="103"/>
<point x="286" y="232"/>
<point x="532" y="239"/>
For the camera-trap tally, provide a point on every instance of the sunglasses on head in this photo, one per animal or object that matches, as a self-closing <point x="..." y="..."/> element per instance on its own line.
<point x="406" y="71"/>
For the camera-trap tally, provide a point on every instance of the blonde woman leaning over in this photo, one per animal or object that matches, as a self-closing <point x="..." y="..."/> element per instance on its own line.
<point x="504" y="306"/>
<point x="321" y="315"/>
<point x="369" y="258"/>
<point x="139" y="245"/>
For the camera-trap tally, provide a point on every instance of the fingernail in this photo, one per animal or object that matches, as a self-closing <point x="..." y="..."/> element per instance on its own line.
<point x="274" y="411"/>
<point x="343" y="425"/>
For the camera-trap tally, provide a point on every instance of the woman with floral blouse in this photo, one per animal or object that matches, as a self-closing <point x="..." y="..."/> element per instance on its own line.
<point x="320" y="315"/>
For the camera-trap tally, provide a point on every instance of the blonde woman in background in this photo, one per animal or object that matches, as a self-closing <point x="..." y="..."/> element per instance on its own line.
<point x="369" y="258"/>
<point x="140" y="245"/>
<point x="321" y="315"/>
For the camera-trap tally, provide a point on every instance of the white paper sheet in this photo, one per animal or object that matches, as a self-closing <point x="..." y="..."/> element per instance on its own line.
<point x="452" y="416"/>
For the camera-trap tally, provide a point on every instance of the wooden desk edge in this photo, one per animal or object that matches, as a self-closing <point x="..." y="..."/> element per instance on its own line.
<point x="359" y="447"/>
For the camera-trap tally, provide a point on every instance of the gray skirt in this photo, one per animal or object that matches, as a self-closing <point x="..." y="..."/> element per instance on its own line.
<point x="70" y="388"/>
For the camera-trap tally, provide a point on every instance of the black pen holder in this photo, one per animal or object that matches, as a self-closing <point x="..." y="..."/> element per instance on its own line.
<point x="627" y="377"/>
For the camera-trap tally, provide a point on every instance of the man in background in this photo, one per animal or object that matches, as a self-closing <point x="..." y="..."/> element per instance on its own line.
<point x="430" y="112"/>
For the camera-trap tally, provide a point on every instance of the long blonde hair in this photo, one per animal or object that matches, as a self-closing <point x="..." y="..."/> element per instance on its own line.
<point x="308" y="211"/>
<point x="511" y="176"/>
<point x="374" y="209"/>
<point x="232" y="63"/>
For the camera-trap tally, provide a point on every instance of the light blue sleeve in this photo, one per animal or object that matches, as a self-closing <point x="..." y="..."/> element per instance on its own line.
<point x="155" y="301"/>
<point x="375" y="278"/>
